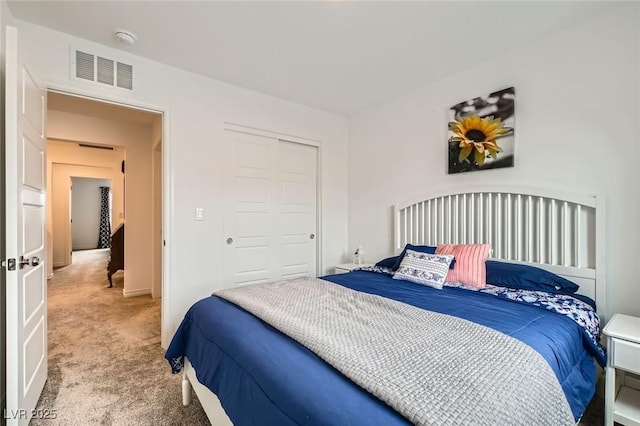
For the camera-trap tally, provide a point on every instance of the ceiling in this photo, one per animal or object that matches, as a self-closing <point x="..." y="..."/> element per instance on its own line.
<point x="339" y="56"/>
<point x="100" y="109"/>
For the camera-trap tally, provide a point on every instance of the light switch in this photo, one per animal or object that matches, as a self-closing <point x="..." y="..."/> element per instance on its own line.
<point x="199" y="213"/>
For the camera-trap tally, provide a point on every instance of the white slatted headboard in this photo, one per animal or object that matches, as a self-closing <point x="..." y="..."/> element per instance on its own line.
<point x="563" y="233"/>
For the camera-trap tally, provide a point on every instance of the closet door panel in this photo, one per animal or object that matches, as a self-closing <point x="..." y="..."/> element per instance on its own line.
<point x="298" y="209"/>
<point x="247" y="195"/>
<point x="270" y="209"/>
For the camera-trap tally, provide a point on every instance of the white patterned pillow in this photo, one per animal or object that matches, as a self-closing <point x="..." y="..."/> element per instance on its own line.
<point x="424" y="268"/>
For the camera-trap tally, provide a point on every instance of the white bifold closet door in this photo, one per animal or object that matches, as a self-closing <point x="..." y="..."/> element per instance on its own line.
<point x="270" y="202"/>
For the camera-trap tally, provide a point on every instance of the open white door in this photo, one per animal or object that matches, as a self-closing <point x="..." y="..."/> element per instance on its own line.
<point x="25" y="245"/>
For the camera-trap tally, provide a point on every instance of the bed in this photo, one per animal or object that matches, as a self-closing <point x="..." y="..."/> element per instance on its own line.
<point x="235" y="360"/>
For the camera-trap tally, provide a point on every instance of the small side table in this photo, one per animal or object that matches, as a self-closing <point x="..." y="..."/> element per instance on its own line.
<point x="348" y="267"/>
<point x="622" y="403"/>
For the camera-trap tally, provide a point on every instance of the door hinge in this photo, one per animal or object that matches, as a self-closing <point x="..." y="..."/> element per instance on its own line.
<point x="10" y="264"/>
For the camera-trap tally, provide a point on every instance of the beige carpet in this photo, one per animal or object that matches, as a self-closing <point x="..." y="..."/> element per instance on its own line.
<point x="105" y="362"/>
<point x="106" y="366"/>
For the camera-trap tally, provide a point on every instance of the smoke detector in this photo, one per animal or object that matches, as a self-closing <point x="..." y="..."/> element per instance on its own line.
<point x="125" y="36"/>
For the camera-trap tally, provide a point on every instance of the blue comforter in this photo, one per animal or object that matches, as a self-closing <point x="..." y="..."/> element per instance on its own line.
<point x="247" y="363"/>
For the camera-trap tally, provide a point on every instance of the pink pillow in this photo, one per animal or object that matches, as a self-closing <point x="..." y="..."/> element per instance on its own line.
<point x="469" y="268"/>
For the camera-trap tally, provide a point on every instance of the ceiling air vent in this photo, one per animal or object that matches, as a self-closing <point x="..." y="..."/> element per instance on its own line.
<point x="105" y="71"/>
<point x="84" y="145"/>
<point x="98" y="69"/>
<point x="85" y="64"/>
<point x="125" y="76"/>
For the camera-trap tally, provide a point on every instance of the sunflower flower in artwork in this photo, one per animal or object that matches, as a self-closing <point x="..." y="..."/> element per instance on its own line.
<point x="478" y="135"/>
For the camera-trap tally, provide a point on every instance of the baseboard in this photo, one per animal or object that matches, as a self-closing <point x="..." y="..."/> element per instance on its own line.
<point x="59" y="264"/>
<point x="135" y="293"/>
<point x="50" y="276"/>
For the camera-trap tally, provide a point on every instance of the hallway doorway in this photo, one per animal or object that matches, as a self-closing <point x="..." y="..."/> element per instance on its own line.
<point x="120" y="143"/>
<point x="91" y="213"/>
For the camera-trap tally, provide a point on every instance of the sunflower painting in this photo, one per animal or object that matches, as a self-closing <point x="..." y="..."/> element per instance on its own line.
<point x="481" y="132"/>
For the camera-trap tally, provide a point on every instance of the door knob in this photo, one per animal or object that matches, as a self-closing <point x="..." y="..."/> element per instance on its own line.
<point x="23" y="262"/>
<point x="312" y="236"/>
<point x="229" y="240"/>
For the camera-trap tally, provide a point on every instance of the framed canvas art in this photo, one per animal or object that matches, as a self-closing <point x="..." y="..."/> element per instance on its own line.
<point x="482" y="132"/>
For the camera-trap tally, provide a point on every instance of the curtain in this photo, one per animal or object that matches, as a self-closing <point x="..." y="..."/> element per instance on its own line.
<point x="104" y="236"/>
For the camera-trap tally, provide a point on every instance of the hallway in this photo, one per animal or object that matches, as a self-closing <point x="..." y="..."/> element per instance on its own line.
<point x="106" y="365"/>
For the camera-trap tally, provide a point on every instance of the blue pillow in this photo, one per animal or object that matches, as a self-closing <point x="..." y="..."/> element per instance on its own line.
<point x="388" y="262"/>
<point x="421" y="249"/>
<point x="527" y="277"/>
<point x="586" y="299"/>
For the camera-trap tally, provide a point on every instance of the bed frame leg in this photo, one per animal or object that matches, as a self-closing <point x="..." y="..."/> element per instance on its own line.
<point x="186" y="390"/>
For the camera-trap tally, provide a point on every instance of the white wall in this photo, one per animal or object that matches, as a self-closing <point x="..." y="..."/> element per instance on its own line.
<point x="197" y="108"/>
<point x="86" y="203"/>
<point x="576" y="130"/>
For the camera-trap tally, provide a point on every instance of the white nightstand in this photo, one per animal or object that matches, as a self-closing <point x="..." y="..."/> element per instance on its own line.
<point x="622" y="403"/>
<point x="348" y="267"/>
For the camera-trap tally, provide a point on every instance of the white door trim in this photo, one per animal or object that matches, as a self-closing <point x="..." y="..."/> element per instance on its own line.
<point x="167" y="186"/>
<point x="271" y="134"/>
<point x="100" y="96"/>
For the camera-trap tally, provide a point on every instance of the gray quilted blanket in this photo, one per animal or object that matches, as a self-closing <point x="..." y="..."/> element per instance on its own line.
<point x="434" y="369"/>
